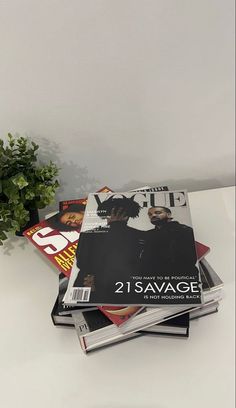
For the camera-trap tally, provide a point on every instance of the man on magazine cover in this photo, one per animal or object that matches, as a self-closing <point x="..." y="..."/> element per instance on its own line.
<point x="116" y="247"/>
<point x="169" y="248"/>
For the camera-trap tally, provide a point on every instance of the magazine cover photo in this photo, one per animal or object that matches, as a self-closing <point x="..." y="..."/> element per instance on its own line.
<point x="136" y="248"/>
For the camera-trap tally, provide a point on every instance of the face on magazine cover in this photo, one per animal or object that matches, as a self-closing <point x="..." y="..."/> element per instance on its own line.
<point x="69" y="219"/>
<point x="159" y="215"/>
<point x="118" y="209"/>
<point x="72" y="219"/>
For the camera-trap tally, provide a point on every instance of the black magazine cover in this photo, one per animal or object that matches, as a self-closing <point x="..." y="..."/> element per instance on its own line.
<point x="209" y="277"/>
<point x="178" y="326"/>
<point x="136" y="248"/>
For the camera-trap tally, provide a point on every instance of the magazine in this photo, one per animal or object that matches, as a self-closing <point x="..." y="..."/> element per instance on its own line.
<point x="93" y="337"/>
<point x="104" y="333"/>
<point x="57" y="237"/>
<point x="136" y="248"/>
<point x="177" y="326"/>
<point x="117" y="315"/>
<point x="64" y="204"/>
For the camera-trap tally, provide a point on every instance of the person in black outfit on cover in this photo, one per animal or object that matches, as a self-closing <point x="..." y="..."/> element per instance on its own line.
<point x="110" y="254"/>
<point x="169" y="248"/>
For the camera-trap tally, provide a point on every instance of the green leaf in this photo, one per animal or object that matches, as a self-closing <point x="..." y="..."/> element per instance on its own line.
<point x="20" y="180"/>
<point x="11" y="191"/>
<point x="29" y="195"/>
<point x="15" y="225"/>
<point x="3" y="236"/>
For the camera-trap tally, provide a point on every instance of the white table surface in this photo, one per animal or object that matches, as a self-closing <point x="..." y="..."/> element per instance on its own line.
<point x="43" y="366"/>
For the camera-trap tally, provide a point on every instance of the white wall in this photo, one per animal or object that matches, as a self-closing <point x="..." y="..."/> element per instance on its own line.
<point x="122" y="93"/>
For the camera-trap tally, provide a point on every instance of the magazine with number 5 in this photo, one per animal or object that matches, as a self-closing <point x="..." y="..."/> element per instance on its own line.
<point x="136" y="248"/>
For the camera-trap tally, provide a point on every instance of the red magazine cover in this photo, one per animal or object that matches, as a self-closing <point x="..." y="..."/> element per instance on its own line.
<point x="63" y="205"/>
<point x="57" y="237"/>
<point x="58" y="246"/>
<point x="119" y="314"/>
<point x="201" y="249"/>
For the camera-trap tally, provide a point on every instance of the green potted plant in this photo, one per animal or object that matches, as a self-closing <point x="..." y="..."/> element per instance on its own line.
<point x="25" y="186"/>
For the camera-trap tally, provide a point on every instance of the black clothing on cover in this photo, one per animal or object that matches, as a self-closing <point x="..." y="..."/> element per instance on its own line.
<point x="169" y="250"/>
<point x="109" y="254"/>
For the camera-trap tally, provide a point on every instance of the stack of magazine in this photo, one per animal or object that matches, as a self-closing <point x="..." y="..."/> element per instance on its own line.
<point x="128" y="265"/>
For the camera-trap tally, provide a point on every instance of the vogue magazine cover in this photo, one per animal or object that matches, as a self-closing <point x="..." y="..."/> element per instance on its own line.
<point x="136" y="248"/>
